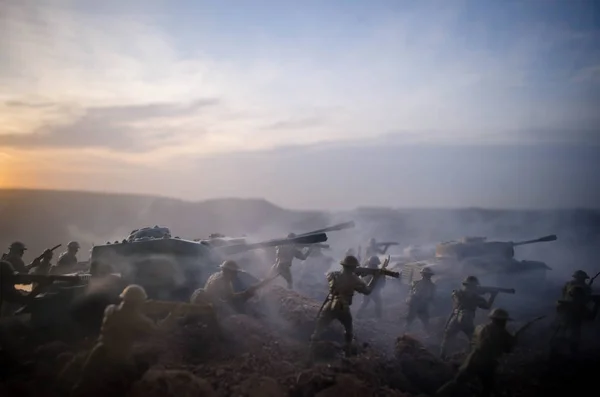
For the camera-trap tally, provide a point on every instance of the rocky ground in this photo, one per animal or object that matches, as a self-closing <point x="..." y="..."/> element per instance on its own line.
<point x="263" y="353"/>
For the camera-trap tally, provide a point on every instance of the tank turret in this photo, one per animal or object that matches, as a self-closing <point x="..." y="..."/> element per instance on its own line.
<point x="476" y="247"/>
<point x="477" y="256"/>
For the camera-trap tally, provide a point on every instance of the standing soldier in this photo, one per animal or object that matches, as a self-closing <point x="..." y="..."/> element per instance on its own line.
<point x="285" y="257"/>
<point x="110" y="363"/>
<point x="375" y="295"/>
<point x="490" y="342"/>
<point x="421" y="295"/>
<point x="342" y="286"/>
<point x="68" y="259"/>
<point x="465" y="301"/>
<point x="571" y="313"/>
<point x="15" y="257"/>
<point x="220" y="292"/>
<point x="579" y="278"/>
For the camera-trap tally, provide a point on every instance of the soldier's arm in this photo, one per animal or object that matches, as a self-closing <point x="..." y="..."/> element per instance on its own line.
<point x="302" y="255"/>
<point x="34" y="263"/>
<point x="363" y="288"/>
<point x="486" y="304"/>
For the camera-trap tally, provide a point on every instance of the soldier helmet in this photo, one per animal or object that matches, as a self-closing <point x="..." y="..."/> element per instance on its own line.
<point x="230" y="265"/>
<point x="471" y="280"/>
<point x="291" y="235"/>
<point x="349" y="261"/>
<point x="580" y="274"/>
<point x="426" y="270"/>
<point x="134" y="294"/>
<point x="374" y="261"/>
<point x="17" y="245"/>
<point x="73" y="244"/>
<point x="500" y="314"/>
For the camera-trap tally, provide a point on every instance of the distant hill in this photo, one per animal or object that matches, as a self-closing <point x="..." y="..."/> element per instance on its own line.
<point x="44" y="218"/>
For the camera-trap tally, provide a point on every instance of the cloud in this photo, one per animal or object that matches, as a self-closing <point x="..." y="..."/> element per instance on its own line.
<point x="120" y="128"/>
<point x="424" y="73"/>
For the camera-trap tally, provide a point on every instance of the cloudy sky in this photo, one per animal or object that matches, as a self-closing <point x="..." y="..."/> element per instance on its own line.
<point x="309" y="104"/>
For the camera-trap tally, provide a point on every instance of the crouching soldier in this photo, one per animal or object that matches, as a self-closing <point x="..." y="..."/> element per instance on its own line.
<point x="342" y="285"/>
<point x="109" y="367"/>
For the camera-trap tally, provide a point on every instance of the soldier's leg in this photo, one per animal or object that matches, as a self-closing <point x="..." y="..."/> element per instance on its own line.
<point x="575" y="337"/>
<point x="365" y="302"/>
<point x="487" y="377"/>
<point x="345" y="317"/>
<point x="378" y="304"/>
<point x="468" y="328"/>
<point x="410" y="317"/>
<point x="450" y="332"/>
<point x="323" y="322"/>
<point x="424" y="317"/>
<point x="454" y="386"/>
<point x="286" y="273"/>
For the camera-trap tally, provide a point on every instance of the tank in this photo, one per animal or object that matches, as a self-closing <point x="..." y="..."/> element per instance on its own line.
<point x="491" y="261"/>
<point x="171" y="268"/>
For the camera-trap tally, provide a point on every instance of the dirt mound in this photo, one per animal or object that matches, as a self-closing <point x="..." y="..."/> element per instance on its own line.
<point x="177" y="383"/>
<point x="423" y="370"/>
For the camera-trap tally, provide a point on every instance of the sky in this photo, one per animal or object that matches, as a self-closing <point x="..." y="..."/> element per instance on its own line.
<point x="314" y="104"/>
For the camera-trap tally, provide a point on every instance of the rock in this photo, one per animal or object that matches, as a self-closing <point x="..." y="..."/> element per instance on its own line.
<point x="262" y="386"/>
<point x="171" y="383"/>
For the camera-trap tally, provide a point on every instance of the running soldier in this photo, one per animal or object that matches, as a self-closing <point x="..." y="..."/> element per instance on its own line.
<point x="466" y="301"/>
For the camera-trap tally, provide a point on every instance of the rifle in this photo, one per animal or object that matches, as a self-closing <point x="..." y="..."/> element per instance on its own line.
<point x="495" y="290"/>
<point x="592" y="279"/>
<point x="40" y="257"/>
<point x="367" y="271"/>
<point x="527" y="325"/>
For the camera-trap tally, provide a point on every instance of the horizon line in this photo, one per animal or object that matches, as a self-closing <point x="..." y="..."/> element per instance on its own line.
<point x="356" y="209"/>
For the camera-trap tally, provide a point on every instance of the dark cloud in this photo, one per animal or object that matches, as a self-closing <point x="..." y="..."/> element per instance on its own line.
<point x="108" y="127"/>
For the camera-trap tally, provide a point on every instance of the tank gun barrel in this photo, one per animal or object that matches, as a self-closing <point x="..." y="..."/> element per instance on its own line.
<point x="334" y="228"/>
<point x="544" y="239"/>
<point x="299" y="240"/>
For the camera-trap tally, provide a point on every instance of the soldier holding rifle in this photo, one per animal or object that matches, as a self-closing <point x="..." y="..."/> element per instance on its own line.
<point x="466" y="301"/>
<point x="285" y="256"/>
<point x="375" y="296"/>
<point x="15" y="257"/>
<point x="490" y="342"/>
<point x="342" y="286"/>
<point x="220" y="292"/>
<point x="421" y="295"/>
